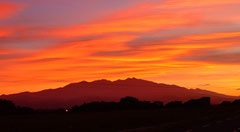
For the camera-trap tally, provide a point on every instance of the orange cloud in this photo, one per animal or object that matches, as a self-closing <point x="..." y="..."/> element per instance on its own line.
<point x="215" y="36"/>
<point x="126" y="25"/>
<point x="190" y="3"/>
<point x="155" y="42"/>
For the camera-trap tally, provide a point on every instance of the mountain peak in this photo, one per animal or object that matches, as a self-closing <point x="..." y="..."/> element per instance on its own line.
<point x="134" y="81"/>
<point x="133" y="78"/>
<point x="102" y="81"/>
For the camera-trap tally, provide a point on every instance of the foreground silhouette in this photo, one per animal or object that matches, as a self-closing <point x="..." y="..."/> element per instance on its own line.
<point x="129" y="114"/>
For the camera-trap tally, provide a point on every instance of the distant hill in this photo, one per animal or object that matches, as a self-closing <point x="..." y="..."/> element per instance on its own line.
<point x="105" y="90"/>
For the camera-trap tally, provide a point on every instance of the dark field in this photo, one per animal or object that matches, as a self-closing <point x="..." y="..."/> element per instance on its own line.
<point x="212" y="118"/>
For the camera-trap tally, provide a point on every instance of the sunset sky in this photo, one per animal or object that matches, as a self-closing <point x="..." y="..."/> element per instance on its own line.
<point x="50" y="43"/>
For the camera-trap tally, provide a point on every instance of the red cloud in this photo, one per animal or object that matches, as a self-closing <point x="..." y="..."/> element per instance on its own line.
<point x="7" y="9"/>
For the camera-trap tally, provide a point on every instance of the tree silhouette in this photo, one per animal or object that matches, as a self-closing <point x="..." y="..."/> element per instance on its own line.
<point x="158" y="104"/>
<point x="7" y="107"/>
<point x="129" y="100"/>
<point x="236" y="102"/>
<point x="96" y="106"/>
<point x="173" y="104"/>
<point x="226" y="103"/>
<point x="205" y="101"/>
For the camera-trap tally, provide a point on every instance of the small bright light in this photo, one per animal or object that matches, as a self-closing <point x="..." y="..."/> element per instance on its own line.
<point x="66" y="110"/>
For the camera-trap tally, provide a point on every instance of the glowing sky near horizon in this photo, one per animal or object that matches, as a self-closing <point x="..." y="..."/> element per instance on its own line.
<point x="50" y="43"/>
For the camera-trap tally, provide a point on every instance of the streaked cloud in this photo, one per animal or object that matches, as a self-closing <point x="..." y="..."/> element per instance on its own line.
<point x="178" y="42"/>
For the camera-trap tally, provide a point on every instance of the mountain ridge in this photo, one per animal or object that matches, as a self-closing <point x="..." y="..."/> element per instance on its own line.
<point x="105" y="90"/>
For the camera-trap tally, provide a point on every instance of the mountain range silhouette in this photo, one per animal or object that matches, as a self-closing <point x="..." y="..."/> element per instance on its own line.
<point x="105" y="90"/>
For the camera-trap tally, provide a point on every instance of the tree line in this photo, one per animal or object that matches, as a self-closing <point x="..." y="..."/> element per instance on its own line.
<point x="133" y="103"/>
<point x="127" y="103"/>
